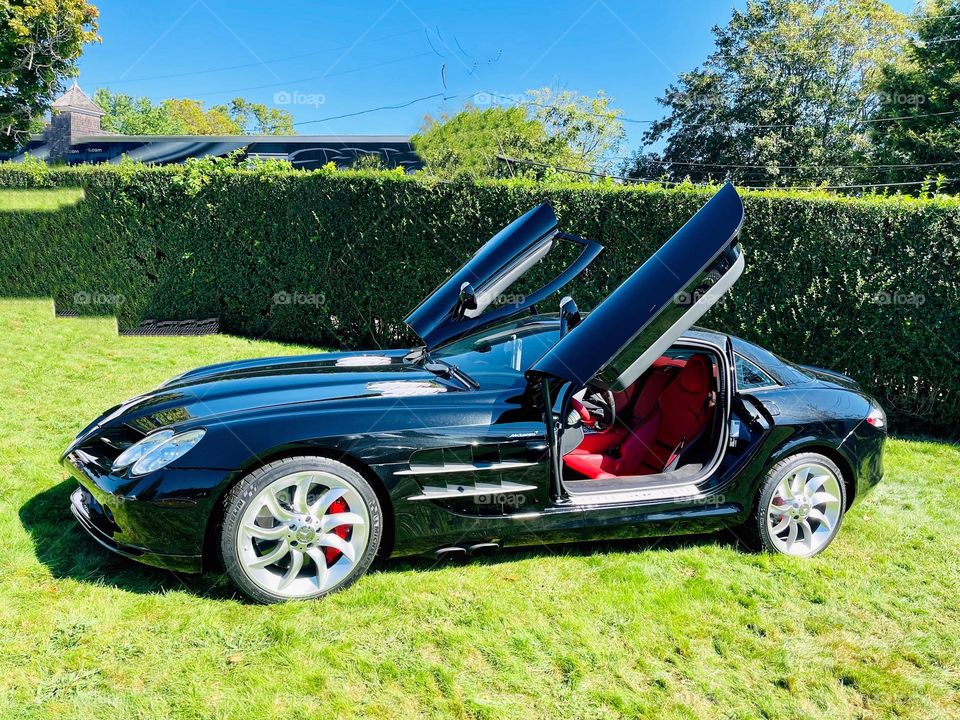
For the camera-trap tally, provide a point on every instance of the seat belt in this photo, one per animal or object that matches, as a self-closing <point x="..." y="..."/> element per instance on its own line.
<point x="675" y="455"/>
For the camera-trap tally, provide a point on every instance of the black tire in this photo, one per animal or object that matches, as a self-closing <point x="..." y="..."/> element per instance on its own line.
<point x="757" y="527"/>
<point x="242" y="494"/>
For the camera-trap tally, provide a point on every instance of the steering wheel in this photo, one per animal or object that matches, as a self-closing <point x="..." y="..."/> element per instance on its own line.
<point x="597" y="410"/>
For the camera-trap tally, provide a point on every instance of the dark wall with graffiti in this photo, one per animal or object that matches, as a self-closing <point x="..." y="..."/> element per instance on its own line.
<point x="306" y="152"/>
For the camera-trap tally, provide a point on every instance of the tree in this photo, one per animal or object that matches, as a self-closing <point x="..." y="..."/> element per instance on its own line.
<point x="257" y="118"/>
<point x="196" y="120"/>
<point x="556" y="130"/>
<point x="127" y="115"/>
<point x="184" y="116"/>
<point x="587" y="127"/>
<point x="369" y="161"/>
<point x="40" y="42"/>
<point x="924" y="91"/>
<point x="784" y="93"/>
<point x="472" y="141"/>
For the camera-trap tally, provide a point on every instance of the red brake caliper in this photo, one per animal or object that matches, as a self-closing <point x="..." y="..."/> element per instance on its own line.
<point x="332" y="554"/>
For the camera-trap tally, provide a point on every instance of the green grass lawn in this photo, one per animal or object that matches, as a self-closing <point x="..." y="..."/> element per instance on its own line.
<point x="44" y="200"/>
<point x="692" y="628"/>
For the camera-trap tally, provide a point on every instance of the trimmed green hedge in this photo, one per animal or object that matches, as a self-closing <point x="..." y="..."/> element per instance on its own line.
<point x="870" y="286"/>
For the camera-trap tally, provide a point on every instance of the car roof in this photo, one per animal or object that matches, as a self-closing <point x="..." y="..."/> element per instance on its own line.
<point x="701" y="333"/>
<point x="784" y="373"/>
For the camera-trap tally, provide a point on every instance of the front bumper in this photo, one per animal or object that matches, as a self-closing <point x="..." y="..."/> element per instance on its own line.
<point x="92" y="518"/>
<point x="159" y="520"/>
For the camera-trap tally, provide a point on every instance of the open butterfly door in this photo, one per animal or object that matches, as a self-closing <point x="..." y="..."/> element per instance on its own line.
<point x="487" y="289"/>
<point x="620" y="339"/>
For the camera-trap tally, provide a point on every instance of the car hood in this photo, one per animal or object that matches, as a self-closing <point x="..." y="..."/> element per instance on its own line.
<point x="237" y="387"/>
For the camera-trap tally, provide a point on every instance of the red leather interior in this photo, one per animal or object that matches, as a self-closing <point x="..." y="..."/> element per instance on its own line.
<point x="634" y="406"/>
<point x="669" y="411"/>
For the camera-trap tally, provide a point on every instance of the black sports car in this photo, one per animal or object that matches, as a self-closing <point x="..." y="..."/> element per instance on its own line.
<point x="506" y="427"/>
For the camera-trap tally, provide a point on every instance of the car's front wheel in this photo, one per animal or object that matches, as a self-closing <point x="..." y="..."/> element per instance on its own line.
<point x="299" y="528"/>
<point x="801" y="505"/>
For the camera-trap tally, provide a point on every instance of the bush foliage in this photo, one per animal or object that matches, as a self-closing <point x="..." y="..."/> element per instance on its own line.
<point x="866" y="286"/>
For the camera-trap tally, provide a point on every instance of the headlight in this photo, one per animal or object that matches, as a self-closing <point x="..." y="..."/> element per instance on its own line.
<point x="138" y="450"/>
<point x="157" y="450"/>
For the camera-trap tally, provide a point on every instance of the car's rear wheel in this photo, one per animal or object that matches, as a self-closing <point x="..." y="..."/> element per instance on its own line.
<point x="801" y="505"/>
<point x="299" y="528"/>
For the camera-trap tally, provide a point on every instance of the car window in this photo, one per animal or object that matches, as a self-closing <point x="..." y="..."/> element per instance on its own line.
<point x="750" y="376"/>
<point x="676" y="353"/>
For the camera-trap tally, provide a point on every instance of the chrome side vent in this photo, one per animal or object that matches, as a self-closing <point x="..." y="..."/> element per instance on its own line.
<point x="463" y="490"/>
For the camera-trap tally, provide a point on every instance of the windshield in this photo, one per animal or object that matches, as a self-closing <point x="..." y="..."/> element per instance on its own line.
<point x="498" y="356"/>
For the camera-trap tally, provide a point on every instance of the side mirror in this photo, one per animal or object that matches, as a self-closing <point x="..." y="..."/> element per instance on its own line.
<point x="569" y="315"/>
<point x="467" y="301"/>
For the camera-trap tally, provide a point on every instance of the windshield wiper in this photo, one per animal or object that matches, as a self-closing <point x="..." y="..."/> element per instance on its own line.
<point x="445" y="369"/>
<point x="417" y="355"/>
<point x="420" y="357"/>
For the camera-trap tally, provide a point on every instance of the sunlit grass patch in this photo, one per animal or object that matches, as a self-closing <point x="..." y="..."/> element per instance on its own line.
<point x="680" y="628"/>
<point x="39" y="200"/>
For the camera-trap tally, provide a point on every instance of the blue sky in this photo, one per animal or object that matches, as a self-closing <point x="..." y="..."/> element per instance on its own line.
<point x="334" y="58"/>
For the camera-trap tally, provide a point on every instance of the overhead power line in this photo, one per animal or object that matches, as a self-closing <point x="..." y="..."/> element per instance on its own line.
<point x="916" y="17"/>
<point x="863" y="121"/>
<point x="519" y="101"/>
<point x="378" y="109"/>
<point x="225" y="68"/>
<point x="922" y="17"/>
<point x="286" y="58"/>
<point x="623" y="118"/>
<point x="623" y="178"/>
<point x="289" y="83"/>
<point x="737" y="166"/>
<point x="819" y="51"/>
<point x="910" y="117"/>
<point x="939" y="41"/>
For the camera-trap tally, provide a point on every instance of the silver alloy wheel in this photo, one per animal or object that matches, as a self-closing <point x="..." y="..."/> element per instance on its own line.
<point x="804" y="510"/>
<point x="286" y="528"/>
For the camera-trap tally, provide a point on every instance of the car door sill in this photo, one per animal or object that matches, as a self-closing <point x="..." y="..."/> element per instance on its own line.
<point x="682" y="483"/>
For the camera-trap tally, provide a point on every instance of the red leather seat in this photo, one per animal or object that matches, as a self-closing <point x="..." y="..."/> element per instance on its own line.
<point x="669" y="413"/>
<point x="644" y="403"/>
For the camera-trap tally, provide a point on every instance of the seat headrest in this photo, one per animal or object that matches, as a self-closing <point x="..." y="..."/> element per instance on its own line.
<point x="695" y="376"/>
